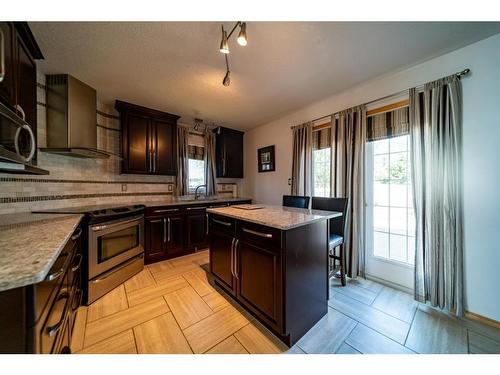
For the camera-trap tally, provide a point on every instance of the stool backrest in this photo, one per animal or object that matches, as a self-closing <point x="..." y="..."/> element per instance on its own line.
<point x="296" y="201"/>
<point x="337" y="224"/>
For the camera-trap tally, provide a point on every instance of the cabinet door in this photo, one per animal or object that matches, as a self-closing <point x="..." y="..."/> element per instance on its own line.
<point x="156" y="239"/>
<point x="136" y="144"/>
<point x="234" y="156"/>
<point x="221" y="259"/>
<point x="175" y="235"/>
<point x="197" y="229"/>
<point x="165" y="153"/>
<point x="7" y="83"/>
<point x="259" y="283"/>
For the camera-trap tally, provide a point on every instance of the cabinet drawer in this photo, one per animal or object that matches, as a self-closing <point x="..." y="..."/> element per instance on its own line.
<point x="259" y="234"/>
<point x="222" y="224"/>
<point x="163" y="211"/>
<point x="55" y="321"/>
<point x="45" y="290"/>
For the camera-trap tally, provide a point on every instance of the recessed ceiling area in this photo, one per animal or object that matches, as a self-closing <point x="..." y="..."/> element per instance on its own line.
<point x="177" y="67"/>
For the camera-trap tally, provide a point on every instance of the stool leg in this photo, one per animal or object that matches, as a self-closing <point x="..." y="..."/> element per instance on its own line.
<point x="342" y="265"/>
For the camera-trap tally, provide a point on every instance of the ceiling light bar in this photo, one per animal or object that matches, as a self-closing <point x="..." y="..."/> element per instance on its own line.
<point x="224" y="45"/>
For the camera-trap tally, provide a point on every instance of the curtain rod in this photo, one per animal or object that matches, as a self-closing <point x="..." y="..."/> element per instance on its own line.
<point x="458" y="74"/>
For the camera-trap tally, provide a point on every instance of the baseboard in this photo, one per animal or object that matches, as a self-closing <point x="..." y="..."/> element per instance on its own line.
<point x="482" y="319"/>
<point x="390" y="284"/>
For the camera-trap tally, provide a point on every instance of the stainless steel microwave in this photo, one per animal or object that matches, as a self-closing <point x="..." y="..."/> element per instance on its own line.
<point x="17" y="143"/>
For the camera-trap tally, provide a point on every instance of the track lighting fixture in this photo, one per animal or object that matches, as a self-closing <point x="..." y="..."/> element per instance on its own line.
<point x="224" y="45"/>
<point x="242" y="36"/>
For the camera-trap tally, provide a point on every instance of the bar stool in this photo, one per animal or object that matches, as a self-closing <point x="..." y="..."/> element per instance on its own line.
<point x="335" y="235"/>
<point x="296" y="201"/>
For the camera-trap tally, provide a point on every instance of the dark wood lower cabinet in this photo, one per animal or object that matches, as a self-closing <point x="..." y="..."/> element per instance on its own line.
<point x="221" y="259"/>
<point x="258" y="272"/>
<point x="279" y="276"/>
<point x="39" y="318"/>
<point x="176" y="230"/>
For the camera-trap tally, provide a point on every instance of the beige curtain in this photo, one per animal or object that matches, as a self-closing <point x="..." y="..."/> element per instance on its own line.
<point x="209" y="158"/>
<point x="302" y="160"/>
<point x="348" y="138"/>
<point x="436" y="156"/>
<point x="182" y="161"/>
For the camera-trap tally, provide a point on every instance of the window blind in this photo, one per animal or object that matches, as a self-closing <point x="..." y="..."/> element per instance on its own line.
<point x="196" y="146"/>
<point x="388" y="124"/>
<point x="321" y="138"/>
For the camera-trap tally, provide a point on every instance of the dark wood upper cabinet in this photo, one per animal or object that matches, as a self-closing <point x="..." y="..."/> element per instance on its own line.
<point x="7" y="91"/>
<point x="149" y="139"/>
<point x="18" y="78"/>
<point x="229" y="153"/>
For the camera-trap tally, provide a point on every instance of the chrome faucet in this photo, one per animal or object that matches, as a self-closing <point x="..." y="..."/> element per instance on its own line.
<point x="196" y="195"/>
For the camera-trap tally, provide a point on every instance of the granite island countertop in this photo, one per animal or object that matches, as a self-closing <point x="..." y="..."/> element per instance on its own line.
<point x="279" y="217"/>
<point x="30" y="244"/>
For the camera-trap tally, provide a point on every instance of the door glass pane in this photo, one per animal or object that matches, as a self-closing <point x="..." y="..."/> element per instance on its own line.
<point x="381" y="165"/>
<point x="380" y="193"/>
<point x="115" y="243"/>
<point x="381" y="244"/>
<point x="398" y="168"/>
<point x="398" y="220"/>
<point x="398" y="194"/>
<point x="398" y="247"/>
<point x="381" y="219"/>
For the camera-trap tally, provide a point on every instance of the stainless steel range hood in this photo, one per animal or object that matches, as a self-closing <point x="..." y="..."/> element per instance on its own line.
<point x="71" y="118"/>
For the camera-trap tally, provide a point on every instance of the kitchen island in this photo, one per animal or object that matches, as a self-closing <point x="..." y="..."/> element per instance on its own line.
<point x="273" y="260"/>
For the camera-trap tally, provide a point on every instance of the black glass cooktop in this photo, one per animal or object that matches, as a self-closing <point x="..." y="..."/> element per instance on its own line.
<point x="97" y="211"/>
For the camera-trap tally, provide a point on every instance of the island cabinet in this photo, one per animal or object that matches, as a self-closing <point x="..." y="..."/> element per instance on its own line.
<point x="279" y="276"/>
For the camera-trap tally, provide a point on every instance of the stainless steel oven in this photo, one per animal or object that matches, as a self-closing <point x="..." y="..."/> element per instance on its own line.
<point x="116" y="252"/>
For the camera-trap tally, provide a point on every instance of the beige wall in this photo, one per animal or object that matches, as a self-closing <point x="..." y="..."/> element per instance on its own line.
<point x="481" y="134"/>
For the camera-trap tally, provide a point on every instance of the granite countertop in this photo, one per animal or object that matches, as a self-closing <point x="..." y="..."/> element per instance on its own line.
<point x="276" y="216"/>
<point x="176" y="201"/>
<point x="30" y="244"/>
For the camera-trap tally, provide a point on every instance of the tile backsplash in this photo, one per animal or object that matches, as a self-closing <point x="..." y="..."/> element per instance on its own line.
<point x="77" y="181"/>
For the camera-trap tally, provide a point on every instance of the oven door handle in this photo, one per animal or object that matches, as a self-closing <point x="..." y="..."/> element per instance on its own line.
<point x="97" y="228"/>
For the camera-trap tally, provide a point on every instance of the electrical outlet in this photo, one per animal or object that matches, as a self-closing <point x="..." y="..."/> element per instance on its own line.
<point x="124" y="187"/>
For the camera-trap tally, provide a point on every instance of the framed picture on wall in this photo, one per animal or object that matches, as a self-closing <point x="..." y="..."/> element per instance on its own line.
<point x="265" y="159"/>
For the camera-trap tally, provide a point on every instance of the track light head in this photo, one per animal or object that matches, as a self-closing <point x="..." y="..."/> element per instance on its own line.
<point x="227" y="79"/>
<point x="224" y="45"/>
<point x="242" y="36"/>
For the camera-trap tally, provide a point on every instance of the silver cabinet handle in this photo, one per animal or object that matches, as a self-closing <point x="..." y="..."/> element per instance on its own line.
<point x="77" y="266"/>
<point x="222" y="222"/>
<point x="52" y="330"/>
<point x="169" y="210"/>
<point x="236" y="273"/>
<point x="232" y="256"/>
<point x="164" y="230"/>
<point x="154" y="161"/>
<point x="59" y="272"/>
<point x="169" y="228"/>
<point x="196" y="208"/>
<point x="76" y="236"/>
<point x="2" y="55"/>
<point x="265" y="235"/>
<point x="206" y="230"/>
<point x="55" y="275"/>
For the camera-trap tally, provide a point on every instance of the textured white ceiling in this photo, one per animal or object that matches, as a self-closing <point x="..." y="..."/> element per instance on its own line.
<point x="177" y="67"/>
